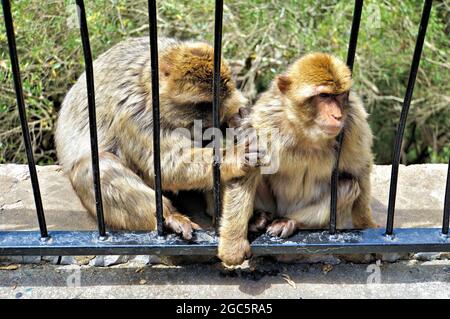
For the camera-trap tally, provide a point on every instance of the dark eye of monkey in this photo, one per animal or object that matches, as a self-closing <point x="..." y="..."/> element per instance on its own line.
<point x="325" y="95"/>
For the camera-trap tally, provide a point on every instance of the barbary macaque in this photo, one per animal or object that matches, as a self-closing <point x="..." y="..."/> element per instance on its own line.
<point x="309" y="105"/>
<point x="125" y="137"/>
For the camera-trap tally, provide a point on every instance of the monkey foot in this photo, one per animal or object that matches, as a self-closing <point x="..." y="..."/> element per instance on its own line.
<point x="259" y="221"/>
<point x="364" y="220"/>
<point x="282" y="228"/>
<point x="181" y="225"/>
<point x="233" y="252"/>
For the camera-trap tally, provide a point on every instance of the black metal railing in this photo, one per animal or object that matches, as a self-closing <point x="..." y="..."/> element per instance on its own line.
<point x="205" y="242"/>
<point x="92" y="117"/>
<point x="350" y="60"/>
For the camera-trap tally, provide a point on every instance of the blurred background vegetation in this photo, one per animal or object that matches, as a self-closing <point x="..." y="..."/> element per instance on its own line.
<point x="260" y="39"/>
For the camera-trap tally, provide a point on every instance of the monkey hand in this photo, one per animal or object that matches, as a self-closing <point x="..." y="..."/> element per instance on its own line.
<point x="242" y="158"/>
<point x="253" y="155"/>
<point x="233" y="251"/>
<point x="180" y="224"/>
<point x="236" y="120"/>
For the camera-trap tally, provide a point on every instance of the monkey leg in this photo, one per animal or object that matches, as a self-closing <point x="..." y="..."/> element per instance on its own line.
<point x="209" y="203"/>
<point x="238" y="200"/>
<point x="361" y="211"/>
<point x="317" y="214"/>
<point x="264" y="208"/>
<point x="128" y="203"/>
<point x="259" y="221"/>
<point x="193" y="170"/>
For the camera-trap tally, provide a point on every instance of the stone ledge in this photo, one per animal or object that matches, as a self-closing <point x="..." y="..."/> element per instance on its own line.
<point x="420" y="199"/>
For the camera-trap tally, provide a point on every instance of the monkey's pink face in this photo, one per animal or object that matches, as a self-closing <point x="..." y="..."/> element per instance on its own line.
<point x="330" y="112"/>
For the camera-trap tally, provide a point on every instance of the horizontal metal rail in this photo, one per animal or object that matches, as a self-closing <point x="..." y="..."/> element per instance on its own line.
<point x="205" y="243"/>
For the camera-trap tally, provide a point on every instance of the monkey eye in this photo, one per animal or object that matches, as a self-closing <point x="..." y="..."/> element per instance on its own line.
<point x="325" y="95"/>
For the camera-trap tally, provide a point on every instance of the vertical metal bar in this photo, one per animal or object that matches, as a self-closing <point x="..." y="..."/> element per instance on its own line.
<point x="216" y="103"/>
<point x="155" y="104"/>
<point x="92" y="115"/>
<point x="350" y="60"/>
<point x="357" y="11"/>
<point x="445" y="221"/>
<point x="23" y="116"/>
<point x="404" y="114"/>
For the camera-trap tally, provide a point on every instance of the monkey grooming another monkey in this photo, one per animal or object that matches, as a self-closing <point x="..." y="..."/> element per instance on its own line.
<point x="309" y="106"/>
<point x="124" y="124"/>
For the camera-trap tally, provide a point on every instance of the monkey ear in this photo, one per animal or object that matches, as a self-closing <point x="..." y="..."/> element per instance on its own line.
<point x="165" y="69"/>
<point x="284" y="83"/>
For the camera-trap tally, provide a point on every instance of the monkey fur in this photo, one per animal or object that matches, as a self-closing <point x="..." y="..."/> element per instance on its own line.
<point x="298" y="194"/>
<point x="125" y="131"/>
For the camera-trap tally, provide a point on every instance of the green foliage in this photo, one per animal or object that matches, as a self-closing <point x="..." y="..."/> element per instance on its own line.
<point x="260" y="39"/>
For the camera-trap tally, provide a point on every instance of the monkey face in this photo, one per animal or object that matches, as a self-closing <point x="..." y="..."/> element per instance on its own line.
<point x="330" y="112"/>
<point x="316" y="88"/>
<point x="321" y="116"/>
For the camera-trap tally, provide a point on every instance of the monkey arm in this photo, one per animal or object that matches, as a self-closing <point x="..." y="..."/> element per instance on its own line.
<point x="192" y="168"/>
<point x="359" y="161"/>
<point x="361" y="211"/>
<point x="184" y="165"/>
<point x="238" y="200"/>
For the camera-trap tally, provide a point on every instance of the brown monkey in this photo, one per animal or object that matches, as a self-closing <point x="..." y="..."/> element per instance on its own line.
<point x="309" y="105"/>
<point x="124" y="123"/>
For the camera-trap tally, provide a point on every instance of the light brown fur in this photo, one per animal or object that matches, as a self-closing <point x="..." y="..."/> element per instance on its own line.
<point x="298" y="194"/>
<point x="125" y="130"/>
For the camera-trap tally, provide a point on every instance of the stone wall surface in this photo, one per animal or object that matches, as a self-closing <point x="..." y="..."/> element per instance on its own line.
<point x="63" y="209"/>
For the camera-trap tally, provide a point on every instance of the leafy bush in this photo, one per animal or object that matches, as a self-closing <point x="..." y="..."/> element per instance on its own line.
<point x="260" y="39"/>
